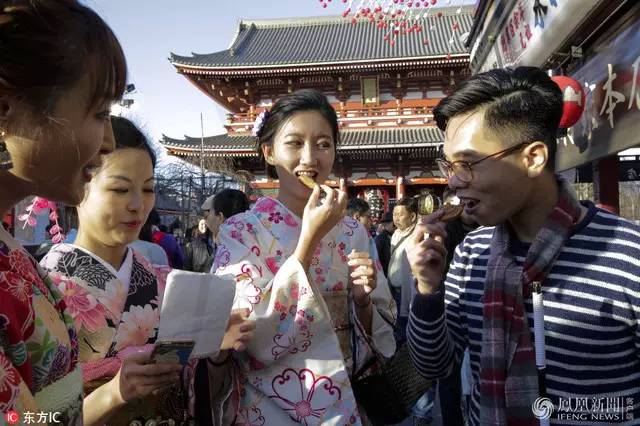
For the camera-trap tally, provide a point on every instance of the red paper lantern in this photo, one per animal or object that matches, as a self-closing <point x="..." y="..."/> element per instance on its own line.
<point x="573" y="97"/>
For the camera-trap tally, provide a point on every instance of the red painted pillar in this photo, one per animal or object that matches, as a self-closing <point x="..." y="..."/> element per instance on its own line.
<point x="605" y="184"/>
<point x="399" y="187"/>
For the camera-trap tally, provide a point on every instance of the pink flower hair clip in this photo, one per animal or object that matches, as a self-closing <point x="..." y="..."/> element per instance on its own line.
<point x="37" y="205"/>
<point x="259" y="123"/>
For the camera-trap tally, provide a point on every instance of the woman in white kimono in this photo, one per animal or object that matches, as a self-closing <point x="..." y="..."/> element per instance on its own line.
<point x="112" y="292"/>
<point x="309" y="275"/>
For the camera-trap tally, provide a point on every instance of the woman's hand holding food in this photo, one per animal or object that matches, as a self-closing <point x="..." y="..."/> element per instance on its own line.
<point x="319" y="217"/>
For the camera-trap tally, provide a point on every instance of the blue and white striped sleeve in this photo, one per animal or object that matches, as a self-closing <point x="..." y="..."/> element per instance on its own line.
<point x="436" y="332"/>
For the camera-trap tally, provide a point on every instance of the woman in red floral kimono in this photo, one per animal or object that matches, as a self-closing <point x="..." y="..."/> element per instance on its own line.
<point x="60" y="71"/>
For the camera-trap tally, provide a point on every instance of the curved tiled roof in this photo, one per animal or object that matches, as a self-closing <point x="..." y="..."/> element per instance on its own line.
<point x="397" y="137"/>
<point x="329" y="40"/>
<point x="217" y="142"/>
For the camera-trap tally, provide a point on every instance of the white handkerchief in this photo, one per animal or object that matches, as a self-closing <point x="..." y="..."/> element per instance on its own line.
<point x="196" y="307"/>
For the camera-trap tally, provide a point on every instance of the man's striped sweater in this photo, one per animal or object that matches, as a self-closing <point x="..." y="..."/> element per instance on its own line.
<point x="591" y="309"/>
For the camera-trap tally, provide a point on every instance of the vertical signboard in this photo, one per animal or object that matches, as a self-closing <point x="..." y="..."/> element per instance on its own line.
<point x="611" y="119"/>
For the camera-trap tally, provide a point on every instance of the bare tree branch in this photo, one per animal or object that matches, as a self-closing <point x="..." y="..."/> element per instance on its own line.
<point x="182" y="187"/>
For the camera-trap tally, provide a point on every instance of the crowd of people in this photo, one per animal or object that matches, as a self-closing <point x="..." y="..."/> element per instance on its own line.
<point x="320" y="305"/>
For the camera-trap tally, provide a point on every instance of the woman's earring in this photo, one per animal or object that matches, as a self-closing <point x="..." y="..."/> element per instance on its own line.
<point x="5" y="156"/>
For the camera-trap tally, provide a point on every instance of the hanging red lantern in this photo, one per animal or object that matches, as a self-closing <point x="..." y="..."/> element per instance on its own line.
<point x="573" y="97"/>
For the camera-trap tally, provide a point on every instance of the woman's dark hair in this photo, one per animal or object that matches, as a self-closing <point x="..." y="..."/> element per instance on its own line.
<point x="357" y="205"/>
<point x="127" y="135"/>
<point x="230" y="202"/>
<point x="522" y="103"/>
<point x="285" y="107"/>
<point x="409" y="203"/>
<point x="146" y="234"/>
<point x="47" y="46"/>
<point x="154" y="217"/>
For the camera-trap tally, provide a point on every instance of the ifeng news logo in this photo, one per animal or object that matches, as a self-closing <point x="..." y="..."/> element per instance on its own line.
<point x="609" y="409"/>
<point x="542" y="408"/>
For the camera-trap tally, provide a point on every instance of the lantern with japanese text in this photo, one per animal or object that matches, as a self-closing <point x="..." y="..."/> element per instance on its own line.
<point x="375" y="198"/>
<point x="573" y="97"/>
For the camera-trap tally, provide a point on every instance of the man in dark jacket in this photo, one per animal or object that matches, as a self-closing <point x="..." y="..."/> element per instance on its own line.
<point x="383" y="240"/>
<point x="199" y="251"/>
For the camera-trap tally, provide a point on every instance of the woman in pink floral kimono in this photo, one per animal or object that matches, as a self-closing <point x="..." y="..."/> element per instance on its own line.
<point x="310" y="277"/>
<point x="112" y="292"/>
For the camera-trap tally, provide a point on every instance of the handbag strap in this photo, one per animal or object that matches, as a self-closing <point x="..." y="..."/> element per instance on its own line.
<point x="377" y="358"/>
<point x="399" y="243"/>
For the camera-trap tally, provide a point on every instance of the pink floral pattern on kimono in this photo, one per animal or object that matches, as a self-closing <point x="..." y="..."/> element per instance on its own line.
<point x="304" y="395"/>
<point x="137" y="326"/>
<point x="294" y="368"/>
<point x="84" y="308"/>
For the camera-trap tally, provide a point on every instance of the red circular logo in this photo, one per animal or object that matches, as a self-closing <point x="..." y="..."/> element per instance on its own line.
<point x="12" y="417"/>
<point x="573" y="98"/>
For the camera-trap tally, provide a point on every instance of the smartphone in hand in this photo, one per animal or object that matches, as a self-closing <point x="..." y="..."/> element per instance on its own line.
<point x="172" y="351"/>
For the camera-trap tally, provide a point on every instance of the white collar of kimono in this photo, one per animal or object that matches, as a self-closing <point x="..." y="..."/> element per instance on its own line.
<point x="124" y="273"/>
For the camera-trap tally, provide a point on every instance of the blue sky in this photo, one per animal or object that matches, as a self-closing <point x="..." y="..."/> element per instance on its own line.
<point x="149" y="30"/>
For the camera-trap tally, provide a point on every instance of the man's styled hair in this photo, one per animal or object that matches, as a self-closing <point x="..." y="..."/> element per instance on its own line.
<point x="520" y="105"/>
<point x="357" y="205"/>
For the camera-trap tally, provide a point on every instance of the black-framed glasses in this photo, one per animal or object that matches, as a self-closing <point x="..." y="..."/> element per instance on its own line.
<point x="462" y="169"/>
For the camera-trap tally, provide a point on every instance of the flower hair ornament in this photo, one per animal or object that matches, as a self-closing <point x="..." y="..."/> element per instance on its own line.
<point x="37" y="205"/>
<point x="259" y="123"/>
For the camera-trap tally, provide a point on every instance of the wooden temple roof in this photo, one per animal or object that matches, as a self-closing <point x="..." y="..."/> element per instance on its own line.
<point x="324" y="41"/>
<point x="393" y="139"/>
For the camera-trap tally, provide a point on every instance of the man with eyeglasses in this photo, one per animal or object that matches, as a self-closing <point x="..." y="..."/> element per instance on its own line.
<point x="537" y="243"/>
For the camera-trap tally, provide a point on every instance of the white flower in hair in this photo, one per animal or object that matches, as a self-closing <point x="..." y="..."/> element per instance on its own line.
<point x="259" y="123"/>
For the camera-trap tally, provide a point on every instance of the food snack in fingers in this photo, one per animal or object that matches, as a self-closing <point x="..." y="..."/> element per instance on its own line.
<point x="307" y="181"/>
<point x="452" y="210"/>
